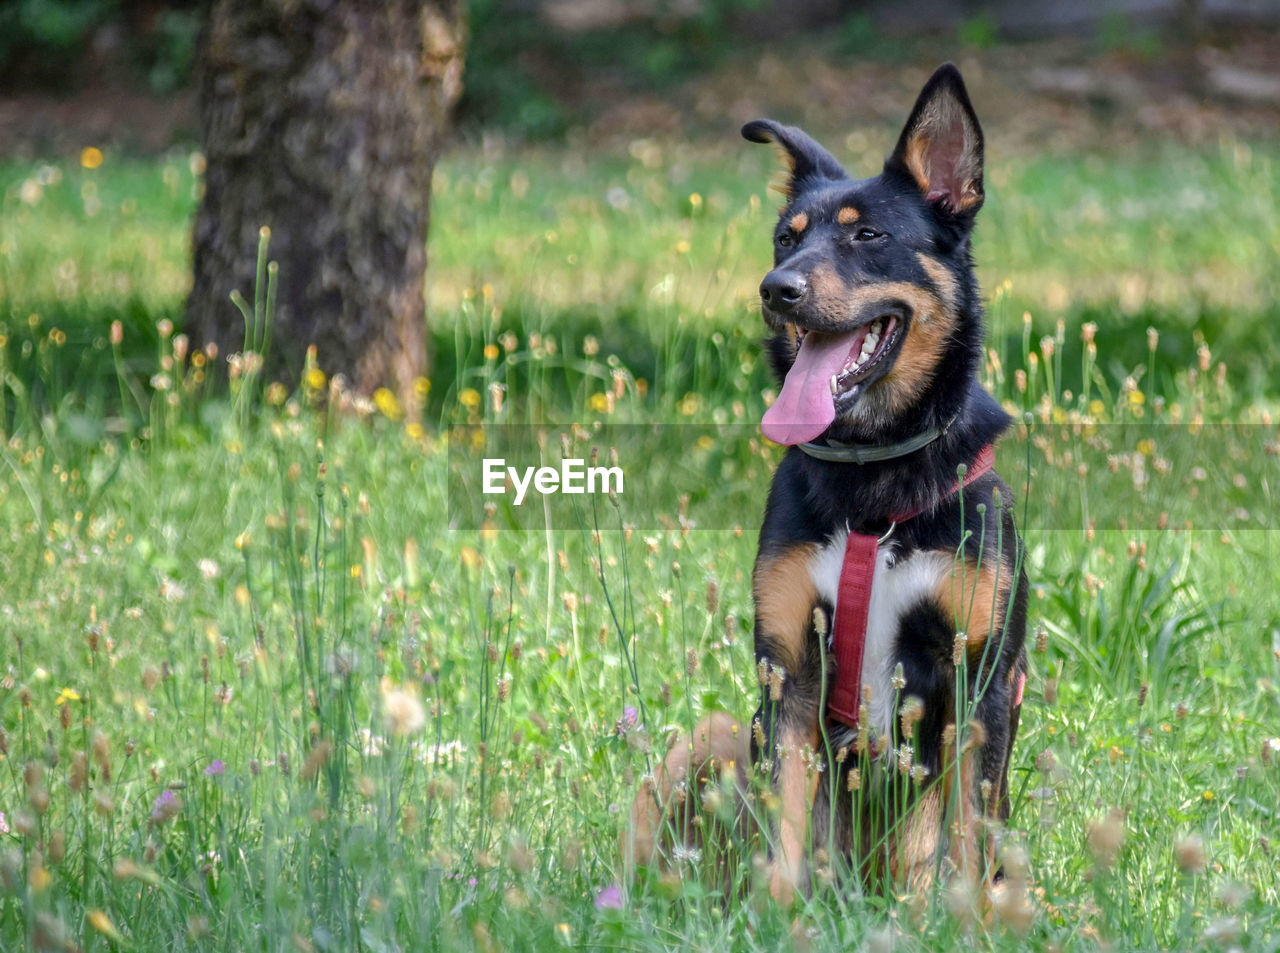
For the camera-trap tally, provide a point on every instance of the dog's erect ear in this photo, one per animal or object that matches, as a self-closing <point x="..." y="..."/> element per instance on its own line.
<point x="806" y="160"/>
<point x="941" y="146"/>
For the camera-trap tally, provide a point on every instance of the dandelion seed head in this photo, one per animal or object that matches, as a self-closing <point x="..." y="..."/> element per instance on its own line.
<point x="1223" y="931"/>
<point x="402" y="710"/>
<point x="880" y="940"/>
<point x="1105" y="837"/>
<point x="1190" y="855"/>
<point x="1013" y="907"/>
<point x="683" y="853"/>
<point x="960" y="902"/>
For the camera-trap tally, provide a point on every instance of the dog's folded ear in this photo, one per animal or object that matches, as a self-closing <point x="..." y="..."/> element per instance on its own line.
<point x="941" y="146"/>
<point x="806" y="160"/>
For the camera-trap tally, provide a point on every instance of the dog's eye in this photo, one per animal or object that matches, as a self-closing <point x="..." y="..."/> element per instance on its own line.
<point x="866" y="234"/>
<point x="785" y="240"/>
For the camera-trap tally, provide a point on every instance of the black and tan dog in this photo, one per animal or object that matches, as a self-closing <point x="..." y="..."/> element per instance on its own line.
<point x="889" y="593"/>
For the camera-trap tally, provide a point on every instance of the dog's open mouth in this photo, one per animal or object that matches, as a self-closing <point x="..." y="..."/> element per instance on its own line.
<point x="829" y="373"/>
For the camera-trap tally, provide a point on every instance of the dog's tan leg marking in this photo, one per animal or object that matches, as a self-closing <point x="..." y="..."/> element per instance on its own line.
<point x="975" y="599"/>
<point x="972" y="845"/>
<point x="913" y="849"/>
<point x="784" y="599"/>
<point x="798" y="783"/>
<point x="964" y="819"/>
<point x="974" y="596"/>
<point x="717" y="747"/>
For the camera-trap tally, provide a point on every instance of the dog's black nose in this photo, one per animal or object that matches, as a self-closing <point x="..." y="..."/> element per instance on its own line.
<point x="782" y="288"/>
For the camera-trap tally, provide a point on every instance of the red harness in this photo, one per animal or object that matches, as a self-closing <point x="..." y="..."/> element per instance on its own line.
<point x="853" y="602"/>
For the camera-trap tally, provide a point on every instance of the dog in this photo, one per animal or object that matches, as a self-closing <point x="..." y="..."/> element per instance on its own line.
<point x="890" y="597"/>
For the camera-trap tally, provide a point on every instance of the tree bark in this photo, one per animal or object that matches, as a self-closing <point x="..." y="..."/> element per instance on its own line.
<point x="322" y="120"/>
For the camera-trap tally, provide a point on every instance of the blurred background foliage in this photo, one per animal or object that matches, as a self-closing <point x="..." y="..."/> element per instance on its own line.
<point x="533" y="65"/>
<point x="63" y="43"/>
<point x="1131" y="167"/>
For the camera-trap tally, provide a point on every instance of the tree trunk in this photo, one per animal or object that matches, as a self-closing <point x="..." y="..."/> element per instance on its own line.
<point x="322" y="120"/>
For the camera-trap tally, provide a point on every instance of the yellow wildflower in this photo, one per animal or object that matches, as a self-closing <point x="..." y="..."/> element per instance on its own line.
<point x="99" y="920"/>
<point x="387" y="403"/>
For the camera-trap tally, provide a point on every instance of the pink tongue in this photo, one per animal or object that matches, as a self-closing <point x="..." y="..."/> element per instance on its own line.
<point x="805" y="408"/>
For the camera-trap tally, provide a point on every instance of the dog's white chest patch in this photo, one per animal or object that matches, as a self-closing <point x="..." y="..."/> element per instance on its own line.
<point x="898" y="584"/>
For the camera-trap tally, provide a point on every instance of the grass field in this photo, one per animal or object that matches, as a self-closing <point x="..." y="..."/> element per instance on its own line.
<point x="271" y="678"/>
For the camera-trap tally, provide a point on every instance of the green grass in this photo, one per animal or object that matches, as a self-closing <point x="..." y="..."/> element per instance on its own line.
<point x="185" y="587"/>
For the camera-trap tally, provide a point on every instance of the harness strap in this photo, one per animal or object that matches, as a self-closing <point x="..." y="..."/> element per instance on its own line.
<point x="853" y="602"/>
<point x="849" y="632"/>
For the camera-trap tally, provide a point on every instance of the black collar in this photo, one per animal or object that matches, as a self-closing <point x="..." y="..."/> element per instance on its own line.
<point x="835" y="451"/>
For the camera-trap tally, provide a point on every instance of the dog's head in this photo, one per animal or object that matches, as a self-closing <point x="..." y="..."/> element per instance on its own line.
<point x="872" y="297"/>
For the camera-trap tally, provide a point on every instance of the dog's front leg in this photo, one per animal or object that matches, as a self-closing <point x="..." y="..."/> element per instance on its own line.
<point x="785" y="733"/>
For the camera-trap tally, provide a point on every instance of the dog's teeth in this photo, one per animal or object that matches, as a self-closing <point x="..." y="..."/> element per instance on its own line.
<point x="835" y="386"/>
